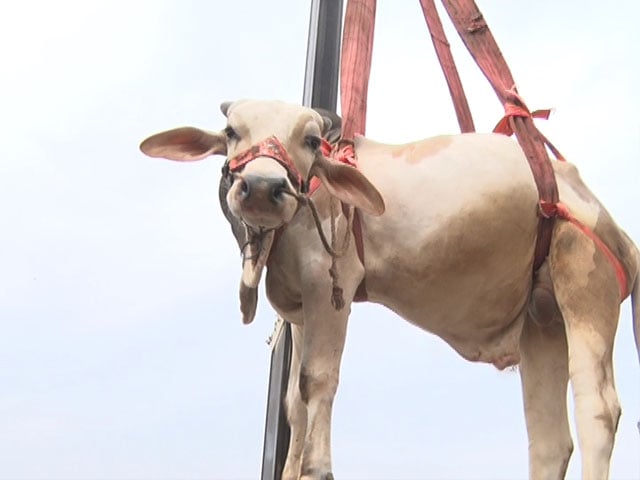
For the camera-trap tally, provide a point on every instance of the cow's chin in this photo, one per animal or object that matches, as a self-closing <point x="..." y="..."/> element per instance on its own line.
<point x="261" y="222"/>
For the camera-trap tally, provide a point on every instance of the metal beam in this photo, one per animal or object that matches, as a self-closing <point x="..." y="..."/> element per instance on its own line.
<point x="320" y="90"/>
<point x="323" y="55"/>
<point x="276" y="430"/>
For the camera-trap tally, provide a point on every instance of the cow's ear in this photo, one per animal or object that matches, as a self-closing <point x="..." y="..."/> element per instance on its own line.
<point x="349" y="185"/>
<point x="184" y="144"/>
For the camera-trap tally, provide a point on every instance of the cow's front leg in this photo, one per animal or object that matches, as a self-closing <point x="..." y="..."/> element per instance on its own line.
<point x="322" y="345"/>
<point x="296" y="410"/>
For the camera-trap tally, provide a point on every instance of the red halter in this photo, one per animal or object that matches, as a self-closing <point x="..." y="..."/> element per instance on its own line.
<point x="270" y="147"/>
<point x="273" y="148"/>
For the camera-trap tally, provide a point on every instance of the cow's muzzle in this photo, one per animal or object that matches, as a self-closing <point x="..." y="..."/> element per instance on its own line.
<point x="265" y="185"/>
<point x="253" y="188"/>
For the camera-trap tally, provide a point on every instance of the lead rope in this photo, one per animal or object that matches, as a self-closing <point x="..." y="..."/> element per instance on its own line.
<point x="337" y="293"/>
<point x="337" y="297"/>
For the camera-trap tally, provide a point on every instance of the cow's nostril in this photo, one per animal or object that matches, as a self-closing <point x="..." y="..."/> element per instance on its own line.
<point x="278" y="190"/>
<point x="245" y="190"/>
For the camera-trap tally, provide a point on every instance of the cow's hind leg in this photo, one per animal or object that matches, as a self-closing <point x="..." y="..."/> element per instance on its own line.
<point x="588" y="297"/>
<point x="296" y="410"/>
<point x="544" y="373"/>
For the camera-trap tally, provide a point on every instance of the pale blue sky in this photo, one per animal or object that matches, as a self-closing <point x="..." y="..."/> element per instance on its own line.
<point x="122" y="354"/>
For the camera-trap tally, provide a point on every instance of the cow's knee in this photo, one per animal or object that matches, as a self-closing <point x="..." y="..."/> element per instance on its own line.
<point x="317" y="385"/>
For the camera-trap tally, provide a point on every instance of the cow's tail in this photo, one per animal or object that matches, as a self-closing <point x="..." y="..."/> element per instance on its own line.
<point x="635" y="312"/>
<point x="635" y="298"/>
<point x="635" y="306"/>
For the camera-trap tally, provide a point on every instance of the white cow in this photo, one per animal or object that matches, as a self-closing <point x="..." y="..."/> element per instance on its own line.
<point x="449" y="227"/>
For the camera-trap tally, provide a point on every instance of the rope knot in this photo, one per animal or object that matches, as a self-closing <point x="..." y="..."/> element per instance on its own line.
<point x="337" y="296"/>
<point x="344" y="152"/>
<point x="514" y="106"/>
<point x="554" y="210"/>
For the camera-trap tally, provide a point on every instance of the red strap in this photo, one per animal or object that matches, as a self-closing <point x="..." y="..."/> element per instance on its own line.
<point x="344" y="153"/>
<point x="560" y="210"/>
<point x="326" y="148"/>
<point x="476" y="35"/>
<point x="314" y="184"/>
<point x="443" y="50"/>
<point x="355" y="66"/>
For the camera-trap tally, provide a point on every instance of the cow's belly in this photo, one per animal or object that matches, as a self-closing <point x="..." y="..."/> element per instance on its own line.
<point x="453" y="252"/>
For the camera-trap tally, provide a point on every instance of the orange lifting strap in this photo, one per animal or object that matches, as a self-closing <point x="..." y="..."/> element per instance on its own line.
<point x="483" y="48"/>
<point x="354" y="79"/>
<point x="355" y="66"/>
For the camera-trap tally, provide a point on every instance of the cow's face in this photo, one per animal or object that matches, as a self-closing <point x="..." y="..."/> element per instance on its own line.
<point x="272" y="149"/>
<point x="264" y="188"/>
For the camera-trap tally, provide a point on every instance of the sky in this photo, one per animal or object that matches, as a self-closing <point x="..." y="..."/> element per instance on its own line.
<point x="122" y="353"/>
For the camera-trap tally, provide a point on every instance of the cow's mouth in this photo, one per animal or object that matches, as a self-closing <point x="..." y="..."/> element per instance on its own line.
<point x="263" y="220"/>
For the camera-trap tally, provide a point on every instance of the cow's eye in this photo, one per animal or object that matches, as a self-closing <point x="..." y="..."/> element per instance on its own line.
<point x="312" y="142"/>
<point x="231" y="133"/>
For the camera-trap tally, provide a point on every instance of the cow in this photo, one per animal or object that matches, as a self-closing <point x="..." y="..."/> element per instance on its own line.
<point x="441" y="231"/>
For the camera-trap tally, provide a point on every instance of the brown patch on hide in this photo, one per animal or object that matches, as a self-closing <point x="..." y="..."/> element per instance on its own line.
<point x="608" y="422"/>
<point x="303" y="384"/>
<point x="313" y="383"/>
<point x="414" y="153"/>
<point x="585" y="284"/>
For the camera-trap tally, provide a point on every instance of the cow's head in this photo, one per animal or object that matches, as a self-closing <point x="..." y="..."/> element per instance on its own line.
<point x="265" y="185"/>
<point x="273" y="149"/>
